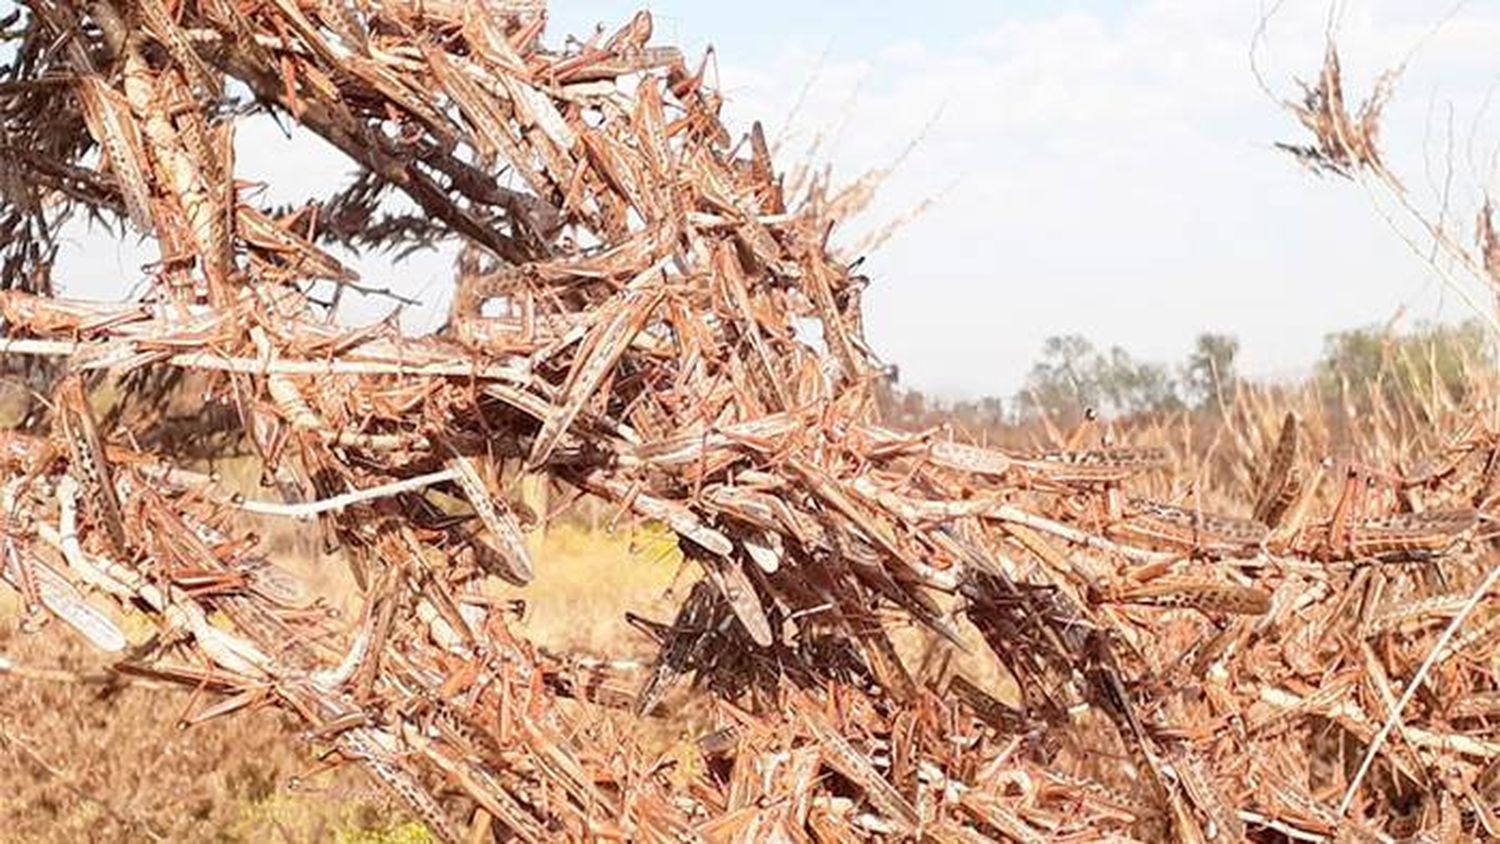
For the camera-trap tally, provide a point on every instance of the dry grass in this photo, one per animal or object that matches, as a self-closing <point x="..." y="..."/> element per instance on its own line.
<point x="103" y="762"/>
<point x="89" y="762"/>
<point x="586" y="580"/>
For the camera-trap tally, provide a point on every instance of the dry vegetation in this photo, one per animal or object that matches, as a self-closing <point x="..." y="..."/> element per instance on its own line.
<point x="1269" y="620"/>
<point x="88" y="754"/>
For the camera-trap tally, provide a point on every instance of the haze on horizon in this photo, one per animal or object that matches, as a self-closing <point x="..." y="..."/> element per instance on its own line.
<point x="1096" y="168"/>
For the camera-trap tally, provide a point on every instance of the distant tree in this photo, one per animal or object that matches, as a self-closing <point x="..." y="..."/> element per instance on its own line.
<point x="1072" y="376"/>
<point x="913" y="405"/>
<point x="1130" y="386"/>
<point x="1210" y="368"/>
<point x="1353" y="357"/>
<point x="1067" y="362"/>
<point x="1363" y="364"/>
<point x="992" y="410"/>
<point x="1062" y="383"/>
<point x="966" y="415"/>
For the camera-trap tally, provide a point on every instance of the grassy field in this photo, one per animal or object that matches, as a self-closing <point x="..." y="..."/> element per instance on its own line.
<point x="80" y="761"/>
<point x="88" y="761"/>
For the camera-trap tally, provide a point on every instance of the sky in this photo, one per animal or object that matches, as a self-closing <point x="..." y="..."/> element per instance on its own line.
<point x="1098" y="168"/>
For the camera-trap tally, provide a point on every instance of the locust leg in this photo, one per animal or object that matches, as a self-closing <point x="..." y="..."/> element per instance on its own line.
<point x="20" y="570"/>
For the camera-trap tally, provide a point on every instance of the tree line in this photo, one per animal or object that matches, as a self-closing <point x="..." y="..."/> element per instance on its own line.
<point x="1072" y="376"/>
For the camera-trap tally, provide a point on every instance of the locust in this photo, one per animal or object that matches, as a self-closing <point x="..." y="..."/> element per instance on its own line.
<point x="1167" y="527"/>
<point x="87" y="459"/>
<point x="1280" y="482"/>
<point x="1090" y="466"/>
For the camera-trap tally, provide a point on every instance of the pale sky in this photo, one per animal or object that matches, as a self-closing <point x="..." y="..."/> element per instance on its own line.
<point x="1101" y="168"/>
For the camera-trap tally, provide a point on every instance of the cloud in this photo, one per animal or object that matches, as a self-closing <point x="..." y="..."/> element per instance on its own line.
<point x="1115" y="177"/>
